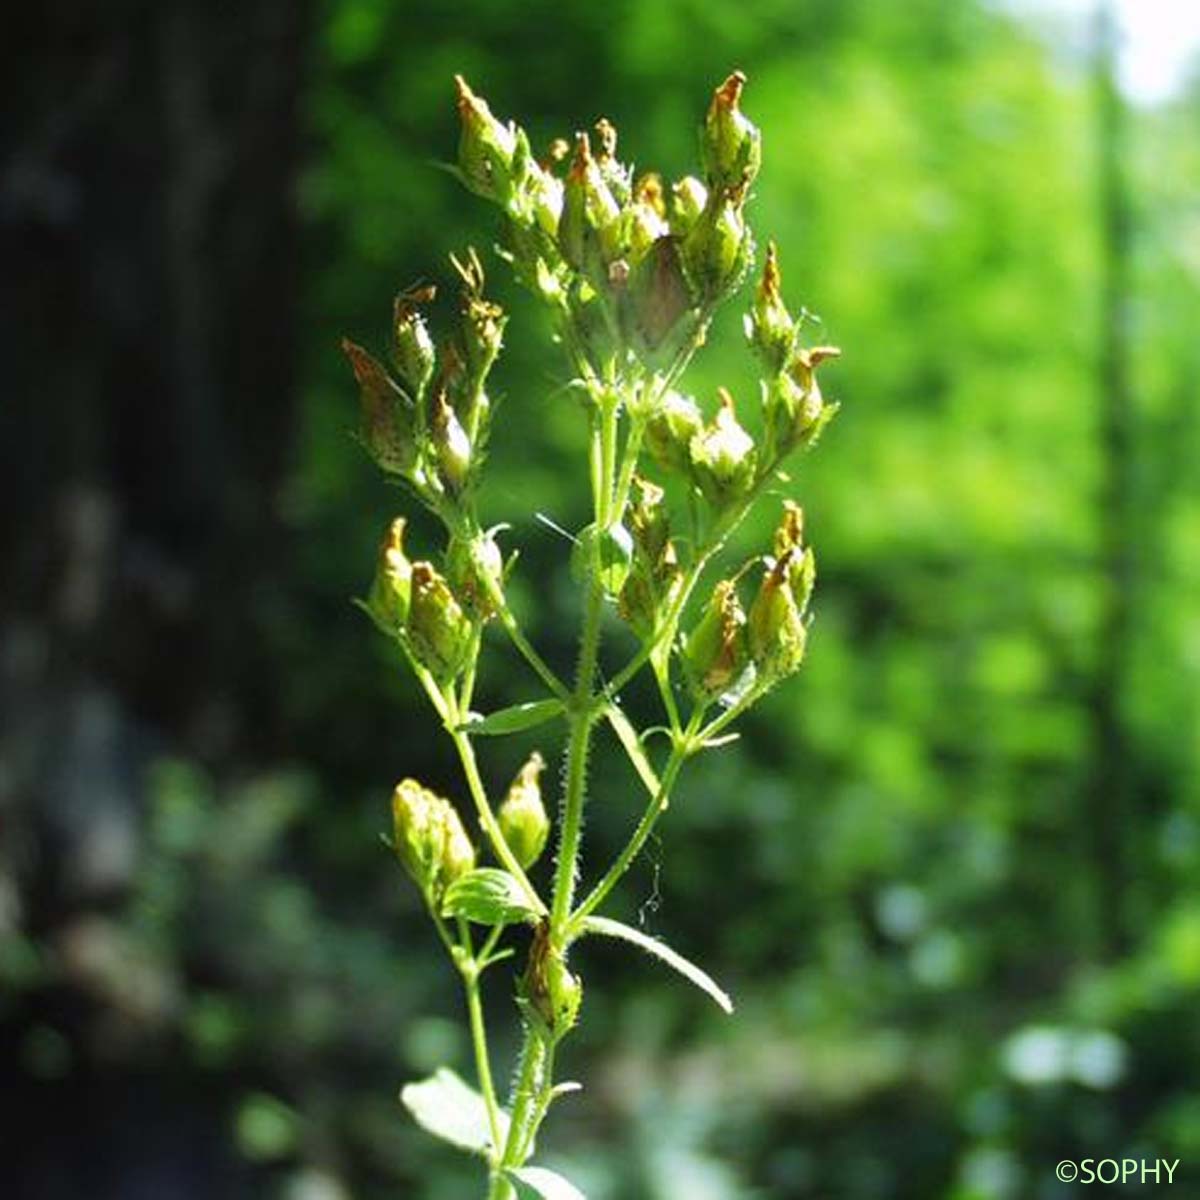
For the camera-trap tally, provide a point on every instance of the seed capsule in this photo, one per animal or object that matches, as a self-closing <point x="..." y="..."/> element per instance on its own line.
<point x="486" y="147"/>
<point x="388" y="420"/>
<point x="670" y="431"/>
<point x="730" y="145"/>
<point x="438" y="630"/>
<point x="723" y="456"/>
<point x="412" y="347"/>
<point x="769" y="326"/>
<point x="391" y="591"/>
<point x="715" y="654"/>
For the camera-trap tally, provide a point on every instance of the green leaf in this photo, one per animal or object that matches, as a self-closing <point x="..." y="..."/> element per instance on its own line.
<point x="660" y="950"/>
<point x="488" y="896"/>
<point x="549" y="1185"/>
<point x="514" y="719"/>
<point x="452" y="1110"/>
<point x="625" y="731"/>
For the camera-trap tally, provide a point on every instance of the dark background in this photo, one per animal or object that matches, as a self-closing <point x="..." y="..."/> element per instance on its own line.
<point x="951" y="870"/>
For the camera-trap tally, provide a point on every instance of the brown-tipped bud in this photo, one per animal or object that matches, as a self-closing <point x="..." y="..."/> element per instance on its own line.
<point x="796" y="412"/>
<point x="591" y="215"/>
<point x="429" y="839"/>
<point x="730" y="145"/>
<point x="552" y="993"/>
<point x="486" y="147"/>
<point x="715" y="654"/>
<point x="475" y="568"/>
<point x="723" y="456"/>
<point x="412" y="347"/>
<point x="616" y="175"/>
<point x="388" y="420"/>
<point x="391" y="591"/>
<point x="718" y="248"/>
<point x="789" y="533"/>
<point x="522" y="816"/>
<point x="645" y="218"/>
<point x="769" y="326"/>
<point x="777" y="632"/>
<point x="438" y="630"/>
<point x="482" y="321"/>
<point x="670" y="431"/>
<point x="690" y="197"/>
<point x="450" y="443"/>
<point x="648" y="520"/>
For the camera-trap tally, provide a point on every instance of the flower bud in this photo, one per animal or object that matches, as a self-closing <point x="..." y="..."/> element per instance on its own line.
<point x="388" y="422"/>
<point x="429" y="839"/>
<point x="645" y="218"/>
<point x="438" y="630"/>
<point x="648" y="520"/>
<point x="777" y="631"/>
<point x="690" y="197"/>
<point x="486" y="147"/>
<point x="670" y="431"/>
<point x="470" y="564"/>
<point x="730" y="144"/>
<point x="769" y="326"/>
<point x="412" y="347"/>
<point x="522" y="816"/>
<point x="391" y="591"/>
<point x="715" y="654"/>
<point x="609" y="551"/>
<point x="451" y="444"/>
<point x="718" y="248"/>
<point x="723" y="456"/>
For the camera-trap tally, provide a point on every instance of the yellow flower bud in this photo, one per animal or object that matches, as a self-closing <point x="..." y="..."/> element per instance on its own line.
<point x="429" y="839"/>
<point x="777" y="632"/>
<point x="522" y="816"/>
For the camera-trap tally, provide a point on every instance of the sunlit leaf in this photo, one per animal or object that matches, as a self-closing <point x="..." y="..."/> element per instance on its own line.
<point x="488" y="896"/>
<point x="452" y="1110"/>
<point x="660" y="950"/>
<point x="549" y="1185"/>
<point x="514" y="719"/>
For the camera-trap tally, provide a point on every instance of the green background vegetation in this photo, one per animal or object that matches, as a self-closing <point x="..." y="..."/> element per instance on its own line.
<point x="951" y="873"/>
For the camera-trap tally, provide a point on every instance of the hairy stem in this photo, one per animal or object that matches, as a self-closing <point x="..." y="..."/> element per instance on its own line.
<point x="679" y="753"/>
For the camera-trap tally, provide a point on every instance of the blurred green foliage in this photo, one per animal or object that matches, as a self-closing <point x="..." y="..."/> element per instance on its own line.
<point x="947" y="978"/>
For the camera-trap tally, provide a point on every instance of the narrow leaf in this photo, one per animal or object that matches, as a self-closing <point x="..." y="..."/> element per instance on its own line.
<point x="625" y="731"/>
<point x="661" y="950"/>
<point x="549" y="1185"/>
<point x="514" y="719"/>
<point x="452" y="1110"/>
<point x="488" y="896"/>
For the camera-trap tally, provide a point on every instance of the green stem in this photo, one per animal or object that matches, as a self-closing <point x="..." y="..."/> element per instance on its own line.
<point x="487" y="818"/>
<point x="679" y="754"/>
<point x="543" y="1103"/>
<point x="532" y="1057"/>
<point x="469" y="969"/>
<point x="578" y="743"/>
